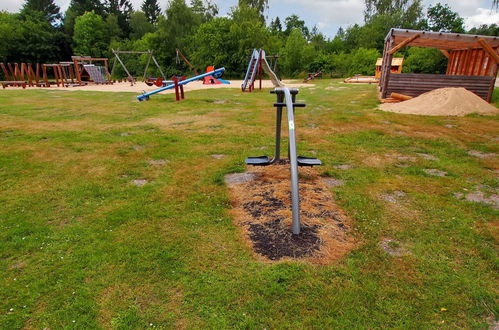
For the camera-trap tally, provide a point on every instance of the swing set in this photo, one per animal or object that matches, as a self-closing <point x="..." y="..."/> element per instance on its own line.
<point x="130" y="78"/>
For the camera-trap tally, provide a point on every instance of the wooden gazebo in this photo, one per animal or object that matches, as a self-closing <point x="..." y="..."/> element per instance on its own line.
<point x="472" y="63"/>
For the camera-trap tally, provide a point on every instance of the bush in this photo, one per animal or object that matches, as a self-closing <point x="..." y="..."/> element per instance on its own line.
<point x="425" y="60"/>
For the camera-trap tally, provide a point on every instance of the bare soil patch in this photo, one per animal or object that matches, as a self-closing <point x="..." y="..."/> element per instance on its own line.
<point x="393" y="247"/>
<point x="434" y="172"/>
<point x="261" y="200"/>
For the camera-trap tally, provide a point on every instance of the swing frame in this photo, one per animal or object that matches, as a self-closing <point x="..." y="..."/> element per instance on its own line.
<point x="132" y="80"/>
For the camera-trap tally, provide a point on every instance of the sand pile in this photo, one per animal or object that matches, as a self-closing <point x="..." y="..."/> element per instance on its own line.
<point x="443" y="102"/>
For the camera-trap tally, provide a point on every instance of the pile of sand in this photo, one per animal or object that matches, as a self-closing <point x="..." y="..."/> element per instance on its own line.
<point x="443" y="102"/>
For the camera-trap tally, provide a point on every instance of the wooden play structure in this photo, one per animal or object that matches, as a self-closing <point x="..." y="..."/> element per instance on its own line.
<point x="472" y="63"/>
<point x="397" y="64"/>
<point x="80" y="71"/>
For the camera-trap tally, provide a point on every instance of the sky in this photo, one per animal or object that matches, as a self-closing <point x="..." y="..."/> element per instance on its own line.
<point x="328" y="15"/>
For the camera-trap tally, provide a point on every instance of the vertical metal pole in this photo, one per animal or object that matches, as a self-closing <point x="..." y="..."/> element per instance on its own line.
<point x="295" y="193"/>
<point x="280" y="99"/>
<point x="147" y="65"/>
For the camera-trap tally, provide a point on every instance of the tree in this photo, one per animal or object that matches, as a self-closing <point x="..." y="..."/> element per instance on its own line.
<point x="205" y="11"/>
<point x="139" y="25"/>
<point x="276" y="26"/>
<point x="296" y="54"/>
<point x="384" y="7"/>
<point x="259" y="5"/>
<point x="486" y="30"/>
<point x="173" y="32"/>
<point x="151" y="10"/>
<point x="123" y="10"/>
<point x="90" y="35"/>
<point x="425" y="60"/>
<point x="49" y="9"/>
<point x="114" y="31"/>
<point x="77" y="8"/>
<point x="441" y="18"/>
<point x="294" y="22"/>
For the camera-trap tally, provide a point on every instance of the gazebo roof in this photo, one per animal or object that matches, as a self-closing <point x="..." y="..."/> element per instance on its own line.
<point x="441" y="40"/>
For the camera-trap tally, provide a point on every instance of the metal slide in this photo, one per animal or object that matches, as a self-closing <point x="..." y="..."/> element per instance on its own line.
<point x="286" y="98"/>
<point x="269" y="72"/>
<point x="258" y="57"/>
<point x="214" y="73"/>
<point x="251" y="72"/>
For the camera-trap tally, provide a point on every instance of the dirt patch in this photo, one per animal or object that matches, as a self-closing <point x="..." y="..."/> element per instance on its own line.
<point x="343" y="167"/>
<point x="481" y="155"/>
<point x="330" y="182"/>
<point x="427" y="156"/>
<point x="482" y="197"/>
<point x="261" y="200"/>
<point x="443" y="102"/>
<point x="392" y="197"/>
<point x="434" y="172"/>
<point x="158" y="162"/>
<point x="139" y="183"/>
<point x="275" y="240"/>
<point x="238" y="178"/>
<point x="393" y="247"/>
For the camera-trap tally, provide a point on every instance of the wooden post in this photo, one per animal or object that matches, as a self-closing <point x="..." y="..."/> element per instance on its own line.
<point x="404" y="43"/>
<point x="493" y="54"/>
<point x="386" y="68"/>
<point x="45" y="77"/>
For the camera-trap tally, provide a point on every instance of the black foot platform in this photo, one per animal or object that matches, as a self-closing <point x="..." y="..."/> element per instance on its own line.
<point x="307" y="161"/>
<point x="258" y="161"/>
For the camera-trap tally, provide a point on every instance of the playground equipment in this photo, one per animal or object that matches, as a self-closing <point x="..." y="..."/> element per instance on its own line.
<point x="178" y="84"/>
<point x="397" y="63"/>
<point x="86" y="70"/>
<point x="257" y="64"/>
<point x="130" y="78"/>
<point x="180" y="55"/>
<point x="80" y="71"/>
<point x="312" y="76"/>
<point x="210" y="80"/>
<point x="287" y="98"/>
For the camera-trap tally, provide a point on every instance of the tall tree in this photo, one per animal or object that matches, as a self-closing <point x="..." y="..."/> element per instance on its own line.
<point x="90" y="35"/>
<point x="152" y="10"/>
<point x="50" y="10"/>
<point x="294" y="22"/>
<point x="122" y="9"/>
<point x="259" y="5"/>
<point x="140" y="25"/>
<point x="390" y="7"/>
<point x="79" y="7"/>
<point x="204" y="9"/>
<point x="276" y="26"/>
<point x="442" y="18"/>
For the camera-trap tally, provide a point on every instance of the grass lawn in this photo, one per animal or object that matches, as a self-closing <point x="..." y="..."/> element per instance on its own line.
<point x="82" y="246"/>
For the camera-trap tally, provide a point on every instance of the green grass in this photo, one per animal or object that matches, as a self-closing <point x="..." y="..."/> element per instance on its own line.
<point x="82" y="247"/>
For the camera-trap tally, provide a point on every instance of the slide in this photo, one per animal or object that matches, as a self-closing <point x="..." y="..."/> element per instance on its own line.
<point x="266" y="67"/>
<point x="210" y="80"/>
<point x="214" y="73"/>
<point x="257" y="57"/>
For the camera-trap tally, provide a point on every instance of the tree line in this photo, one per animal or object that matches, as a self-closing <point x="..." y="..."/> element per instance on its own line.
<point x="41" y="33"/>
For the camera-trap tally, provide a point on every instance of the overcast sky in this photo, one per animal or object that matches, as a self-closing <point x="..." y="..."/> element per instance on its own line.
<point x="328" y="15"/>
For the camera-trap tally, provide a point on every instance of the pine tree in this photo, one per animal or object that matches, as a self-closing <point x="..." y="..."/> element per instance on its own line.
<point x="152" y="10"/>
<point x="49" y="9"/>
<point x="123" y="10"/>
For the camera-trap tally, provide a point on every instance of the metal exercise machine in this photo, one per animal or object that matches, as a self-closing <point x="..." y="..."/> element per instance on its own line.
<point x="287" y="98"/>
